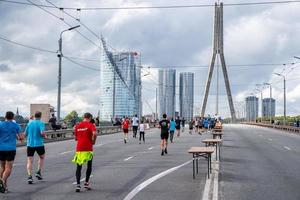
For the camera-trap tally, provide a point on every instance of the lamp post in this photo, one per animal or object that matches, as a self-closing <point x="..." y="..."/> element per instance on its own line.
<point x="59" y="55"/>
<point x="284" y="96"/>
<point x="270" y="101"/>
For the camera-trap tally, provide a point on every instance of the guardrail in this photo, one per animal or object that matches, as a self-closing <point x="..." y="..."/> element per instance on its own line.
<point x="280" y="127"/>
<point x="67" y="134"/>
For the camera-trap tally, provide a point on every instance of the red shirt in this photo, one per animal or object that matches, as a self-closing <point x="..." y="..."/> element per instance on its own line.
<point x="125" y="124"/>
<point x="84" y="135"/>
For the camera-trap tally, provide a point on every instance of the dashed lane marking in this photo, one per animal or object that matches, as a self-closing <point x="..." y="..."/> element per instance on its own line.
<point x="81" y="180"/>
<point x="150" y="148"/>
<point x="65" y="152"/>
<point x="144" y="184"/>
<point x="287" y="148"/>
<point x="126" y="159"/>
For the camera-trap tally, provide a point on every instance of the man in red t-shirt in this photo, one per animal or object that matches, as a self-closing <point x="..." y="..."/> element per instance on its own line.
<point x="125" y="126"/>
<point x="85" y="135"/>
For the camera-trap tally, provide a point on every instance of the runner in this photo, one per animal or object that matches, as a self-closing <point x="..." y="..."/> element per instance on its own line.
<point x="191" y="126"/>
<point x="142" y="131"/>
<point x="172" y="129"/>
<point x="178" y="122"/>
<point x="125" y="126"/>
<point x="35" y="143"/>
<point x="9" y="132"/>
<point x="85" y="135"/>
<point x="135" y="125"/>
<point x="200" y="125"/>
<point x="183" y="124"/>
<point x="164" y="125"/>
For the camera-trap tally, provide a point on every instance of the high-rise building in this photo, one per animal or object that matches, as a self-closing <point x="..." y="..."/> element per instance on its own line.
<point x="186" y="95"/>
<point x="251" y="108"/>
<point x="166" y="92"/>
<point x="120" y="84"/>
<point x="266" y="107"/>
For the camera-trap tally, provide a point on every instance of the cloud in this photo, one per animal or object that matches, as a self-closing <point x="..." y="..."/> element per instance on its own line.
<point x="4" y="68"/>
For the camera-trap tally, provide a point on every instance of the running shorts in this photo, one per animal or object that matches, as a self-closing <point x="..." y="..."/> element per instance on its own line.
<point x="125" y="130"/>
<point x="164" y="136"/>
<point x="39" y="150"/>
<point x="134" y="128"/>
<point x="7" y="155"/>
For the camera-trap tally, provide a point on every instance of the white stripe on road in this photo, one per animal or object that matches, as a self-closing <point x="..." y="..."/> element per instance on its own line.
<point x="126" y="159"/>
<point x="206" y="189"/>
<point x="270" y="139"/>
<point x="98" y="145"/>
<point x="81" y="180"/>
<point x="216" y="181"/>
<point x="150" y="148"/>
<point x="287" y="148"/>
<point x="144" y="184"/>
<point x="65" y="152"/>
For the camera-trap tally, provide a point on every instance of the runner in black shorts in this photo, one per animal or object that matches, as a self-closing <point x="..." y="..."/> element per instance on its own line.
<point x="164" y="125"/>
<point x="178" y="123"/>
<point x="9" y="132"/>
<point x="35" y="143"/>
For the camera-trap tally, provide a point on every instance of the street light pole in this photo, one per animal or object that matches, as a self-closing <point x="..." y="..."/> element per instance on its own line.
<point x="60" y="55"/>
<point x="284" y="96"/>
<point x="270" y="101"/>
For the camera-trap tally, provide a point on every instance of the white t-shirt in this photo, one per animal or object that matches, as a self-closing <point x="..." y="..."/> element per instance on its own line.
<point x="142" y="127"/>
<point x="135" y="121"/>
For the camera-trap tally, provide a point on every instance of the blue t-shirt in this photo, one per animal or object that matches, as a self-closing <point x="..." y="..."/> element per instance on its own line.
<point x="8" y="135"/>
<point x="172" y="125"/>
<point x="33" y="133"/>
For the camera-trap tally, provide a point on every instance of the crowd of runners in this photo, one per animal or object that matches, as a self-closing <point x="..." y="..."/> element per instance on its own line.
<point x="85" y="134"/>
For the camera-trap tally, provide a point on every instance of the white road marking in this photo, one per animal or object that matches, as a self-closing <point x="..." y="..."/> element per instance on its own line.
<point x="216" y="181"/>
<point x="98" y="145"/>
<point x="206" y="189"/>
<point x="81" y="180"/>
<point x="126" y="159"/>
<point x="287" y="148"/>
<point x="270" y="139"/>
<point x="150" y="148"/>
<point x="144" y="184"/>
<point x="65" y="152"/>
<point x="260" y="135"/>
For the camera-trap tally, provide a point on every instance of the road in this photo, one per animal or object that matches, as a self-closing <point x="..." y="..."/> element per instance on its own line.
<point x="117" y="169"/>
<point x="259" y="163"/>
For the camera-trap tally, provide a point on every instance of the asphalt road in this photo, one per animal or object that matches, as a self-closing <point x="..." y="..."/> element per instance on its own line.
<point x="259" y="163"/>
<point x="118" y="169"/>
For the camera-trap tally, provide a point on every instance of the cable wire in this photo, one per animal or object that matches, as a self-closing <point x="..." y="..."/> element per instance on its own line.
<point x="26" y="46"/>
<point x="157" y="7"/>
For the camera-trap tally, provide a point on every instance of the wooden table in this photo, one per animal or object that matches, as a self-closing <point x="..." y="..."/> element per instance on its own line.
<point x="201" y="152"/>
<point x="217" y="134"/>
<point x="217" y="129"/>
<point x="216" y="143"/>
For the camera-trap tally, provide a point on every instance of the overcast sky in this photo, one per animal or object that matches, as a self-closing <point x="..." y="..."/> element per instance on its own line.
<point x="165" y="37"/>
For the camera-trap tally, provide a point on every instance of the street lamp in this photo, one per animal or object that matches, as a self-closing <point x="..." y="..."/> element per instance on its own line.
<point x="270" y="101"/>
<point x="284" y="96"/>
<point x="59" y="55"/>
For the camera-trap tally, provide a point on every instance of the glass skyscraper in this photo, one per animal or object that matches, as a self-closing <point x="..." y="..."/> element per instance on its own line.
<point x="166" y="92"/>
<point x="186" y="95"/>
<point x="120" y="85"/>
<point x="266" y="107"/>
<point x="251" y="108"/>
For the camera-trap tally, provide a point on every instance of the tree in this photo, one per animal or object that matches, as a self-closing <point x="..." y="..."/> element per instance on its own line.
<point x="72" y="117"/>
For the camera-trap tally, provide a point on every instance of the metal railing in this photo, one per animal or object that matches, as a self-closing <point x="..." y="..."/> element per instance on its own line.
<point x="280" y="127"/>
<point x="67" y="134"/>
